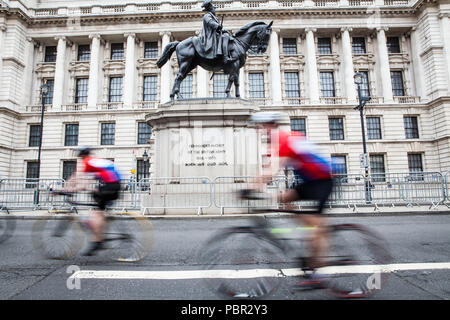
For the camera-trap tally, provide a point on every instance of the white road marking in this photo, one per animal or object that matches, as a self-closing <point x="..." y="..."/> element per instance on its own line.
<point x="250" y="273"/>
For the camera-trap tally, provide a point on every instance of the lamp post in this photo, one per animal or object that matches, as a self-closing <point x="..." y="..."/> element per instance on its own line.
<point x="44" y="92"/>
<point x="145" y="158"/>
<point x="362" y="100"/>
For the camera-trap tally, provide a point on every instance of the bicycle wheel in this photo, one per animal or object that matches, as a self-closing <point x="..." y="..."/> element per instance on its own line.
<point x="7" y="227"/>
<point x="129" y="238"/>
<point x="58" y="237"/>
<point x="355" y="264"/>
<point x="238" y="264"/>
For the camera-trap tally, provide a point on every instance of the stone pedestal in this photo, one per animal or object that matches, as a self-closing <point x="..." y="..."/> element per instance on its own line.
<point x="196" y="141"/>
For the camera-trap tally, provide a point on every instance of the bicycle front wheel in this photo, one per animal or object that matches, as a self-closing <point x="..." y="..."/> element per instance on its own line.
<point x="129" y="237"/>
<point x="356" y="265"/>
<point x="238" y="264"/>
<point x="58" y="237"/>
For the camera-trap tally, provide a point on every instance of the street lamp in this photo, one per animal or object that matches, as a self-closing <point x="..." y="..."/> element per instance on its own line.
<point x="44" y="92"/>
<point x="362" y="100"/>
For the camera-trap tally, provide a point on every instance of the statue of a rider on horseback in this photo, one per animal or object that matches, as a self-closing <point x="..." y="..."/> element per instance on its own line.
<point x="216" y="49"/>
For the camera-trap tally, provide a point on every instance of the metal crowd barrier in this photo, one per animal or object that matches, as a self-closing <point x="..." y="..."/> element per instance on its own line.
<point x="159" y="194"/>
<point x="17" y="193"/>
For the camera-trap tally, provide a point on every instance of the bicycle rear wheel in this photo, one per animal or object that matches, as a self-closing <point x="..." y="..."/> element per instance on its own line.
<point x="238" y="264"/>
<point x="128" y="238"/>
<point x="58" y="237"/>
<point x="356" y="262"/>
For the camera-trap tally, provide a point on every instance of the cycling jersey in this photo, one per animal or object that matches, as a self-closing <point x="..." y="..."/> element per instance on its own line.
<point x="303" y="155"/>
<point x="103" y="169"/>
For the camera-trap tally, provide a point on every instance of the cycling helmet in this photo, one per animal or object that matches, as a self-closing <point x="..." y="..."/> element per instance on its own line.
<point x="83" y="151"/>
<point x="267" y="117"/>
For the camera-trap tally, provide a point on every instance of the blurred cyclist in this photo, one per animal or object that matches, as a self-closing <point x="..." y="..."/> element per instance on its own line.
<point x="313" y="170"/>
<point x="108" y="190"/>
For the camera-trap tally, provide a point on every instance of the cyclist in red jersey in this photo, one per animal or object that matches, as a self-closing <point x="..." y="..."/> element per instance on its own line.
<point x="313" y="182"/>
<point x="108" y="190"/>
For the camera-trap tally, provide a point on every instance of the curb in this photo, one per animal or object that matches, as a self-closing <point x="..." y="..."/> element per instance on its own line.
<point x="236" y="216"/>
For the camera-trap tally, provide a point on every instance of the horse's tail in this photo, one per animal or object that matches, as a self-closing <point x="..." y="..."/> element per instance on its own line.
<point x="168" y="50"/>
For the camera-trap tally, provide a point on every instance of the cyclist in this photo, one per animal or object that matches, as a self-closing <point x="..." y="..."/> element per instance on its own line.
<point x="313" y="170"/>
<point x="108" y="190"/>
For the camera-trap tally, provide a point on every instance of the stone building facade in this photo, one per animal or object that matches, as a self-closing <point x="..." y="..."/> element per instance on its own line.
<point x="99" y="60"/>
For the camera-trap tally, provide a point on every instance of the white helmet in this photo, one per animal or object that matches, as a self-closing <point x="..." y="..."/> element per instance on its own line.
<point x="267" y="117"/>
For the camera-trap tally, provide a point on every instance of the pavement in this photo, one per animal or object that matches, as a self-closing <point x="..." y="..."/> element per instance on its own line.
<point x="332" y="212"/>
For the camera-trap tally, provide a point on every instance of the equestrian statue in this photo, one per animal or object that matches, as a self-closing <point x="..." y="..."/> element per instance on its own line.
<point x="216" y="49"/>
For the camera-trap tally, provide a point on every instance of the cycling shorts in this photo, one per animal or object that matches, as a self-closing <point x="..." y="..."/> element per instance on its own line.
<point x="315" y="190"/>
<point x="106" y="193"/>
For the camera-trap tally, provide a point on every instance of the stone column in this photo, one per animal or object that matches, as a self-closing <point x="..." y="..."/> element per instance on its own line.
<point x="2" y="45"/>
<point x="130" y="71"/>
<point x="166" y="79"/>
<point x="93" y="71"/>
<point x="383" y="67"/>
<point x="202" y="82"/>
<point x="311" y="65"/>
<point x="275" y="72"/>
<point x="418" y="71"/>
<point x="349" y="83"/>
<point x="445" y="28"/>
<point x="58" y="90"/>
<point x="28" y="72"/>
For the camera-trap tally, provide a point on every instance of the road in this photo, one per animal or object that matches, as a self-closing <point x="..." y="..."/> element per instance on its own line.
<point x="26" y="275"/>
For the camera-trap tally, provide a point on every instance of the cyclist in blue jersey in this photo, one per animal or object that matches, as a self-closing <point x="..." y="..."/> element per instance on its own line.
<point x="313" y="170"/>
<point x="108" y="190"/>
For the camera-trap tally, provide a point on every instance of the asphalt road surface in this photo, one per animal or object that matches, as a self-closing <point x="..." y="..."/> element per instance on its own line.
<point x="172" y="270"/>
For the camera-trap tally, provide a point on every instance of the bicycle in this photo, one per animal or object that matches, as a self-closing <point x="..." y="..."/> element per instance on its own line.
<point x="128" y="237"/>
<point x="354" y="263"/>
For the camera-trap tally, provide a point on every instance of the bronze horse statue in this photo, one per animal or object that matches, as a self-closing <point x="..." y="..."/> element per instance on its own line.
<point x="255" y="33"/>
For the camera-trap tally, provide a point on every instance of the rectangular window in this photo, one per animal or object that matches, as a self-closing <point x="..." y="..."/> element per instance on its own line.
<point x="397" y="83"/>
<point x="220" y="82"/>
<point x="411" y="127"/>
<point x="117" y="52"/>
<point x="289" y="46"/>
<point x="377" y="167"/>
<point x="151" y="50"/>
<point x="292" y="87"/>
<point x="339" y="165"/>
<point x="186" y="87"/>
<point x="84" y="52"/>
<point x="256" y="81"/>
<point x="364" y="86"/>
<point x="81" y="91"/>
<point x="359" y="45"/>
<point x="373" y="128"/>
<point x="144" y="132"/>
<point x="327" y="84"/>
<point x="142" y="171"/>
<point x="35" y="132"/>
<point x="50" y="54"/>
<point x="115" y="89"/>
<point x="336" y="126"/>
<point x="69" y="167"/>
<point x="49" y="97"/>
<point x="324" y="45"/>
<point x="32" y="174"/>
<point x="415" y="166"/>
<point x="150" y="88"/>
<point x="393" y="44"/>
<point x="299" y="125"/>
<point x="108" y="132"/>
<point x="71" y="134"/>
